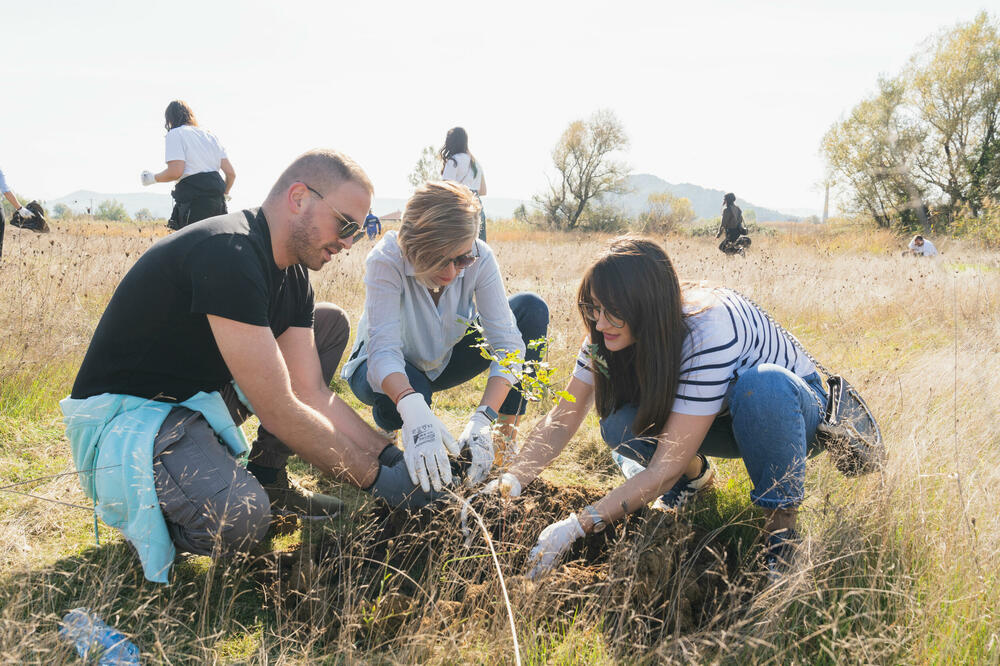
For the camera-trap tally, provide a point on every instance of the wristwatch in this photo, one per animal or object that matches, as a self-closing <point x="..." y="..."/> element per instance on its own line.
<point x="597" y="523"/>
<point x="488" y="412"/>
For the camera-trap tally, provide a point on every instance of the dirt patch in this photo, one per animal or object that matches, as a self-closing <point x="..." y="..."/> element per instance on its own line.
<point x="649" y="575"/>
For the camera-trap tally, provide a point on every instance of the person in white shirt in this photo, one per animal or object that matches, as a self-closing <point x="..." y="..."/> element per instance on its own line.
<point x="194" y="158"/>
<point x="428" y="286"/>
<point x="677" y="375"/>
<point x="922" y="247"/>
<point x="458" y="165"/>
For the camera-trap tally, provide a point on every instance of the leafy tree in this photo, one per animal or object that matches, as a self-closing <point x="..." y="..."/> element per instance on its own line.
<point x="144" y="215"/>
<point x="61" y="211"/>
<point x="112" y="209"/>
<point x="428" y="167"/>
<point x="585" y="169"/>
<point x="954" y="86"/>
<point x="521" y="213"/>
<point x="664" y="213"/>
<point x="870" y="155"/>
<point x="928" y="138"/>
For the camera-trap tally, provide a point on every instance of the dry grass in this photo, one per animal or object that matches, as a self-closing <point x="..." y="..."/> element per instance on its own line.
<point x="898" y="568"/>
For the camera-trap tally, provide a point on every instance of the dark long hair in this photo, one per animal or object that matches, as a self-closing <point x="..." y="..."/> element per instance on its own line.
<point x="455" y="143"/>
<point x="635" y="281"/>
<point x="179" y="113"/>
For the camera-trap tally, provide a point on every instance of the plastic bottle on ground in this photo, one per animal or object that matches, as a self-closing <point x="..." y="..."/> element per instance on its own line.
<point x="95" y="639"/>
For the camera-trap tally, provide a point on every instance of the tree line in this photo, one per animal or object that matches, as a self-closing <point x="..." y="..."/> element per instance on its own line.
<point x="923" y="150"/>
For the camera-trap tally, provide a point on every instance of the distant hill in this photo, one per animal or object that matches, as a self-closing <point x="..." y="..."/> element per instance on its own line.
<point x="706" y="203"/>
<point x="160" y="205"/>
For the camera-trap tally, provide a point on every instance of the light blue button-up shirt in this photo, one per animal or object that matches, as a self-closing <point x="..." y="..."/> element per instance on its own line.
<point x="401" y="322"/>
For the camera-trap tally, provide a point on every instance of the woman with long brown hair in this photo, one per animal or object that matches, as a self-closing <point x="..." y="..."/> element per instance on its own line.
<point x="194" y="158"/>
<point x="458" y="165"/>
<point x="678" y="374"/>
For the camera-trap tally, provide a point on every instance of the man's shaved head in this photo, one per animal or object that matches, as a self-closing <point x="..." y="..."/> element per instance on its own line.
<point x="322" y="170"/>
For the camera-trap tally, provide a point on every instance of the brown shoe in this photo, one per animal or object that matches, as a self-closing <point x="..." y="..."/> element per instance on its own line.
<point x="288" y="496"/>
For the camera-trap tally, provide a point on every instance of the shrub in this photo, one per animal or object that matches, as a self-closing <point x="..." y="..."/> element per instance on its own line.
<point x="113" y="210"/>
<point x="983" y="228"/>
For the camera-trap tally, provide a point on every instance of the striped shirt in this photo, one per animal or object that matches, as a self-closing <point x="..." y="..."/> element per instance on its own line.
<point x="727" y="337"/>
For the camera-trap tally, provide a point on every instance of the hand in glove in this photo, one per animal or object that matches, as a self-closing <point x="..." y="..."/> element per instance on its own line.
<point x="552" y="544"/>
<point x="426" y="444"/>
<point x="148" y="178"/>
<point x="507" y="485"/>
<point x="25" y="213"/>
<point x="478" y="436"/>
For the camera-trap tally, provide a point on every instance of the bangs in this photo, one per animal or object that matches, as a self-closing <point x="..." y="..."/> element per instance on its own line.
<point x="612" y="288"/>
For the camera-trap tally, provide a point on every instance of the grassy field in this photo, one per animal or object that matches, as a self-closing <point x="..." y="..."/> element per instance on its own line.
<point x="898" y="568"/>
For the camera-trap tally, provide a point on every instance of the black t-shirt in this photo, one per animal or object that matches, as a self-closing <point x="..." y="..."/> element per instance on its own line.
<point x="154" y="341"/>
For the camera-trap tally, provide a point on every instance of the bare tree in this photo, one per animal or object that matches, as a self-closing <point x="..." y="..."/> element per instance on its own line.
<point x="583" y="160"/>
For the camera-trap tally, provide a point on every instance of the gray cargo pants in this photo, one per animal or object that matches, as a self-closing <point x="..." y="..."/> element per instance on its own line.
<point x="213" y="505"/>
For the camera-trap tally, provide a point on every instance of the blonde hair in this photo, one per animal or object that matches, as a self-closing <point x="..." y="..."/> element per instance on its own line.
<point x="323" y="170"/>
<point x="438" y="218"/>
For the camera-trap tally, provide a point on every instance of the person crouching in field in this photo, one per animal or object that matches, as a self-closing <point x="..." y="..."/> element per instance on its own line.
<point x="428" y="286"/>
<point x="920" y="247"/>
<point x="677" y="375"/>
<point x="210" y="324"/>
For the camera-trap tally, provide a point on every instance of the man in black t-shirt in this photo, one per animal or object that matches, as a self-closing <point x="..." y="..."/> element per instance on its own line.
<point x="225" y="306"/>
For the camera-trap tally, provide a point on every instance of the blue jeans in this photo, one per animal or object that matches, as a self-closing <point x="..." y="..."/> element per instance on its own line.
<point x="532" y="315"/>
<point x="771" y="425"/>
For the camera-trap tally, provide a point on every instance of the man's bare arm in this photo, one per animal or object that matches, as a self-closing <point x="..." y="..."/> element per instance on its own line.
<point x="298" y="348"/>
<point x="254" y="358"/>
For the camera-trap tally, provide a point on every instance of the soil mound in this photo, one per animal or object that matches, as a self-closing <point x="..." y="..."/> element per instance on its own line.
<point x="648" y="575"/>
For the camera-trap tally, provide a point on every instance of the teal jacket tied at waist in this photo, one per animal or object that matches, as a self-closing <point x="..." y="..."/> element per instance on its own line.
<point x="111" y="437"/>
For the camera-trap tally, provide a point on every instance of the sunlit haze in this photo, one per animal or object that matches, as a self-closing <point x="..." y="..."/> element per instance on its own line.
<point x="727" y="95"/>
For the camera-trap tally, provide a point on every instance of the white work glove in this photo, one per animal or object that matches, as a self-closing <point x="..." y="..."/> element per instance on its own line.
<point x="426" y="444"/>
<point x="507" y="485"/>
<point x="148" y="178"/>
<point x="25" y="212"/>
<point x="478" y="436"/>
<point x="553" y="542"/>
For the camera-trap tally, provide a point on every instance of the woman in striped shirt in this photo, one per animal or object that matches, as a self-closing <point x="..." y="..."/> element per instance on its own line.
<point x="677" y="375"/>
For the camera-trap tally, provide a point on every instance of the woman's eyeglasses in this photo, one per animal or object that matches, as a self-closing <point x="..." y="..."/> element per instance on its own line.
<point x="593" y="313"/>
<point x="464" y="260"/>
<point x="348" y="228"/>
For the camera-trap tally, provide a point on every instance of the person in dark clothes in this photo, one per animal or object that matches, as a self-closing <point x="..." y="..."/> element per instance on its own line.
<point x="211" y="324"/>
<point x="732" y="221"/>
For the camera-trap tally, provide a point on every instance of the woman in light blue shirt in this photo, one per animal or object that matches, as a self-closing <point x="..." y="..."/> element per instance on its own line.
<point x="425" y="286"/>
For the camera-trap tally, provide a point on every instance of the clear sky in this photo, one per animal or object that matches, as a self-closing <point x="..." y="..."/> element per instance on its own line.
<point x="728" y="95"/>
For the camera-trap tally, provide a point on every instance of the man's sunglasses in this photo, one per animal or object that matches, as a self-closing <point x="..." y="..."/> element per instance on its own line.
<point x="464" y="260"/>
<point x="348" y="228"/>
<point x="593" y="313"/>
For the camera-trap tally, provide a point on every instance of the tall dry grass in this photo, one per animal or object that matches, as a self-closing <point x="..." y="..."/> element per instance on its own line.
<point x="897" y="568"/>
